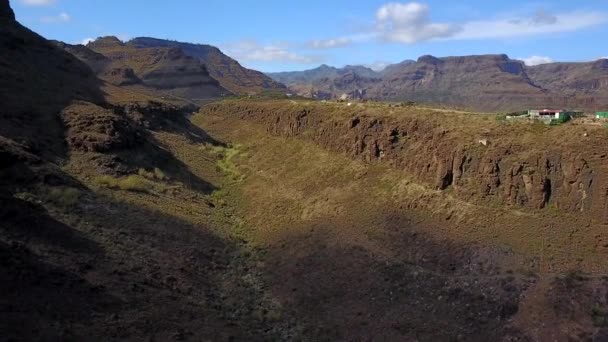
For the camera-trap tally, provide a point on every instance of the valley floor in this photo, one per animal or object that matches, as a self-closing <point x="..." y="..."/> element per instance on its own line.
<point x="275" y="238"/>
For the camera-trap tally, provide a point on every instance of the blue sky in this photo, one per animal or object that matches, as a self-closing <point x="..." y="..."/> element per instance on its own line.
<point x="275" y="35"/>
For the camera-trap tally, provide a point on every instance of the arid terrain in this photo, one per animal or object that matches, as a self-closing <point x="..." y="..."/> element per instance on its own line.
<point x="481" y="83"/>
<point x="139" y="201"/>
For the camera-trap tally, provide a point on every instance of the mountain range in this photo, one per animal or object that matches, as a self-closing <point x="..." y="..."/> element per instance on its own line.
<point x="200" y="72"/>
<point x="137" y="203"/>
<point x="189" y="71"/>
<point x="484" y="82"/>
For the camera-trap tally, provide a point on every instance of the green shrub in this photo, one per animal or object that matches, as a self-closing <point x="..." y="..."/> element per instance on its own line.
<point x="159" y="174"/>
<point x="145" y="174"/>
<point x="136" y="183"/>
<point x="64" y="196"/>
<point x="156" y="174"/>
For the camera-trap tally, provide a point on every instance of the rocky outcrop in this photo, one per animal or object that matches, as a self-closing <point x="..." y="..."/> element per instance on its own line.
<point x="105" y="43"/>
<point x="6" y="12"/>
<point x="508" y="174"/>
<point x="120" y="76"/>
<point x="91" y="128"/>
<point x="96" y="61"/>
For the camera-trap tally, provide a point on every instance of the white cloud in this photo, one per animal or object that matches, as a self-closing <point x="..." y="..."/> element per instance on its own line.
<point x="537" y="60"/>
<point x="541" y="23"/>
<point x="86" y="41"/>
<point x="56" y="19"/>
<point x="603" y="57"/>
<point x="37" y="2"/>
<point x="330" y="43"/>
<point x="378" y="65"/>
<point x="410" y="23"/>
<point x="253" y="51"/>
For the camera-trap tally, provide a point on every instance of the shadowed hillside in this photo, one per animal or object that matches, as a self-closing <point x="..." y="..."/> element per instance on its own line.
<point x="128" y="213"/>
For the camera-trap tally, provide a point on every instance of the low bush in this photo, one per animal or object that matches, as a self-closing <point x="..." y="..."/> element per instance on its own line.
<point x="156" y="174"/>
<point x="63" y="196"/>
<point x="136" y="183"/>
<point x="159" y="174"/>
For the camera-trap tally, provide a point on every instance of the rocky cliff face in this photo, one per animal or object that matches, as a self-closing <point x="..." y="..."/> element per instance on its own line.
<point x="37" y="80"/>
<point x="512" y="173"/>
<point x="573" y="78"/>
<point x="166" y="69"/>
<point x="485" y="83"/>
<point x="226" y="70"/>
<point x="478" y="82"/>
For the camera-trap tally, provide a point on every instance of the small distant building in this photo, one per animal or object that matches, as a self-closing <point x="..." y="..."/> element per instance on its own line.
<point x="552" y="115"/>
<point x="289" y="95"/>
<point x="601" y="115"/>
<point x="547" y="113"/>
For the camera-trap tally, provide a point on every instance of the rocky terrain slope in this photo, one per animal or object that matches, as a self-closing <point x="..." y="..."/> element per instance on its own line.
<point x="125" y="215"/>
<point x="487" y="82"/>
<point x="168" y="70"/>
<point x="226" y="70"/>
<point x="534" y="170"/>
<point x="86" y="251"/>
<point x="320" y="73"/>
<point x="426" y="178"/>
<point x="569" y="79"/>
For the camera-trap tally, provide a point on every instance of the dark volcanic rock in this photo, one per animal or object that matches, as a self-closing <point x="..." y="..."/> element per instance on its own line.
<point x="95" y="129"/>
<point x="96" y="61"/>
<point x="5" y="10"/>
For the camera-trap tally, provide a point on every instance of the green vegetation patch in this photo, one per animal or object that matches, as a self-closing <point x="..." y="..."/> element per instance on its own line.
<point x="63" y="196"/>
<point x="156" y="174"/>
<point x="135" y="183"/>
<point x="226" y="159"/>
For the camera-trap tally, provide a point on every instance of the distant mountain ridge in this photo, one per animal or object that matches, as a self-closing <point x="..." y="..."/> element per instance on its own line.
<point x="322" y="72"/>
<point x="226" y="70"/>
<point x="479" y="82"/>
<point x="166" y="70"/>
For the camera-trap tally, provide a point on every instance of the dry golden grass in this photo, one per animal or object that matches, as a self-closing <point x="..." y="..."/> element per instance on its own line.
<point x="290" y="185"/>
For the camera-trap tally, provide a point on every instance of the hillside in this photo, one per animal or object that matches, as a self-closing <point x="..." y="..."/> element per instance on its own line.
<point x="481" y="82"/>
<point x="166" y="69"/>
<point x="226" y="70"/>
<point x="391" y="68"/>
<point x="319" y="74"/>
<point x="346" y="182"/>
<point x="327" y="82"/>
<point x="87" y="251"/>
<point x="575" y="79"/>
<point x="37" y="80"/>
<point x="487" y="82"/>
<point x="127" y="214"/>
